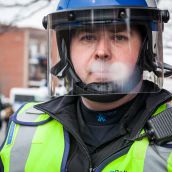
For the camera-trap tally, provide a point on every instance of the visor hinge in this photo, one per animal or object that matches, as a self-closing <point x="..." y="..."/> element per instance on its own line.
<point x="45" y="22"/>
<point x="165" y="16"/>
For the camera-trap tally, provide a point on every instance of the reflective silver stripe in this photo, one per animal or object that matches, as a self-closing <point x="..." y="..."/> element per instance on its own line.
<point x="34" y="110"/>
<point x="151" y="3"/>
<point x="30" y="115"/>
<point x="21" y="148"/>
<point x="156" y="159"/>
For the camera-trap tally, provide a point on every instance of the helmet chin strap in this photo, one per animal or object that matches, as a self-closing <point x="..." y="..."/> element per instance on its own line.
<point x="108" y="91"/>
<point x="101" y="98"/>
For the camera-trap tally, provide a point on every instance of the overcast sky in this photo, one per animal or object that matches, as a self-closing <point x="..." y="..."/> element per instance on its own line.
<point x="7" y="15"/>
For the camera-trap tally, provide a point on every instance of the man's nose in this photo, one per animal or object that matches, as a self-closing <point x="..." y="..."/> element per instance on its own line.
<point x="103" y="51"/>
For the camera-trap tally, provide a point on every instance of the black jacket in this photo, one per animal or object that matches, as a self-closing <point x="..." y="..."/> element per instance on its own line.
<point x="64" y="109"/>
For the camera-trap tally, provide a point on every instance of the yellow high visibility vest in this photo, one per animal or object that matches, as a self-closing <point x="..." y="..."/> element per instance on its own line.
<point x="37" y="143"/>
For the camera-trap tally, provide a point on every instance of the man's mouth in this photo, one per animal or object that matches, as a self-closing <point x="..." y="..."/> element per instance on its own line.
<point x="100" y="76"/>
<point x="110" y="72"/>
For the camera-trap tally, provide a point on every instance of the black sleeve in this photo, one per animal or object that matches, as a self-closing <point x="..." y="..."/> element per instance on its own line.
<point x="1" y="166"/>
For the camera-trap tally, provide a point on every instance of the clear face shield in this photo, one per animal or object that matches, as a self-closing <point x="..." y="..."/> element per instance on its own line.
<point x="104" y="51"/>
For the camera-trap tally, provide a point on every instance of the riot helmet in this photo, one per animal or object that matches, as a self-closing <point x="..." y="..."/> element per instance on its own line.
<point x="105" y="49"/>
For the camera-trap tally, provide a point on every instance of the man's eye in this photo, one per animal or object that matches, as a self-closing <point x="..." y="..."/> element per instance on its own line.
<point x="88" y="38"/>
<point x="119" y="38"/>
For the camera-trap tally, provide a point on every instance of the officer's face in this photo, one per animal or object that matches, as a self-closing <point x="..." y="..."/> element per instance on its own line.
<point x="106" y="54"/>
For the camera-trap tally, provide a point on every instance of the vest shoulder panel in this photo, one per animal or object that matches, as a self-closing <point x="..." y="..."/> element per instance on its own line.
<point x="34" y="142"/>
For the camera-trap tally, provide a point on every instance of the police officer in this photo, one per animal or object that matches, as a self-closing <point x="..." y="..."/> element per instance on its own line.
<point x="115" y="115"/>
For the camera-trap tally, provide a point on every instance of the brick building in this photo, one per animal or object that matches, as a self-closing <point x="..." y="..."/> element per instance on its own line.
<point x="22" y="57"/>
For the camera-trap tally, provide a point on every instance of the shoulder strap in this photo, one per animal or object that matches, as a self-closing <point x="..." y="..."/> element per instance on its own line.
<point x="30" y="116"/>
<point x="158" y="128"/>
<point x="154" y="105"/>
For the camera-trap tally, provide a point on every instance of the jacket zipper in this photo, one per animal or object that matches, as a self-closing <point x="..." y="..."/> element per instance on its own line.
<point x="76" y="137"/>
<point x="109" y="157"/>
<point x="83" y="147"/>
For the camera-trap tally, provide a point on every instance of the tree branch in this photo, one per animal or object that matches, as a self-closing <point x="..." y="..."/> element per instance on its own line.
<point x="3" y="5"/>
<point x="17" y="18"/>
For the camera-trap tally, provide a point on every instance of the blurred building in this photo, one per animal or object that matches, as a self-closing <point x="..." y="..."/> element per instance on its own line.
<point x="23" y="61"/>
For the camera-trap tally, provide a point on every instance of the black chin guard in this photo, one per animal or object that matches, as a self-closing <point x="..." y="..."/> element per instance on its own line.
<point x="108" y="91"/>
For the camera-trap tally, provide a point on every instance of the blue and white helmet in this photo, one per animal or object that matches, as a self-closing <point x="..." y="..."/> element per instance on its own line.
<point x="74" y="15"/>
<point x="84" y="4"/>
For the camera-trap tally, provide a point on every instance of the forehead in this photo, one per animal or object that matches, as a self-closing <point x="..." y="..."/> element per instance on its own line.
<point x="110" y="28"/>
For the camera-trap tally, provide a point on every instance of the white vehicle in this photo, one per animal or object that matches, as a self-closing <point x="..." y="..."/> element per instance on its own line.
<point x="18" y="96"/>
